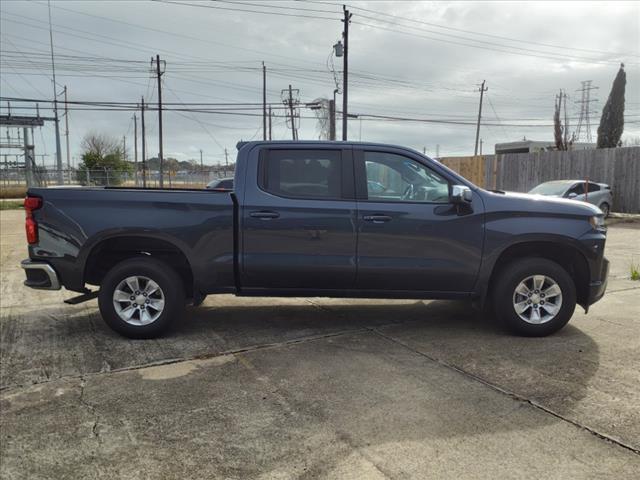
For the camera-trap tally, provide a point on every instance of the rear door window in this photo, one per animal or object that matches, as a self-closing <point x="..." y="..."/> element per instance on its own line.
<point x="302" y="173"/>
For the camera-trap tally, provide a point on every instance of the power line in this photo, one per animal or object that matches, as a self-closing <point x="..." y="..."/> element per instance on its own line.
<point x="471" y="32"/>
<point x="217" y="7"/>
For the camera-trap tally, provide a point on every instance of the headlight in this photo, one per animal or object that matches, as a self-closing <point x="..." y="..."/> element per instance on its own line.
<point x="597" y="222"/>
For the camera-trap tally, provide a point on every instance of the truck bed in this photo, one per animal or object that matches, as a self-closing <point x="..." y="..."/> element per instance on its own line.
<point x="72" y="221"/>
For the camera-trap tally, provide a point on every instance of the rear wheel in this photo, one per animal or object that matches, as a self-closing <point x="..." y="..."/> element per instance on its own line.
<point x="605" y="209"/>
<point x="141" y="297"/>
<point x="534" y="297"/>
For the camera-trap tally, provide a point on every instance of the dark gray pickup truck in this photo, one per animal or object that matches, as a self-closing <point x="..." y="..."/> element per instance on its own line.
<point x="326" y="219"/>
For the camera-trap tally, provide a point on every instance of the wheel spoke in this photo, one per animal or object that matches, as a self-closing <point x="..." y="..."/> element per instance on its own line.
<point x="145" y="317"/>
<point x="522" y="289"/>
<point x="534" y="316"/>
<point x="550" y="308"/>
<point x="133" y="284"/>
<point x="128" y="311"/>
<point x="538" y="282"/>
<point x="156" y="304"/>
<point x="521" y="307"/>
<point x="121" y="296"/>
<point x="151" y="287"/>
<point x="552" y="291"/>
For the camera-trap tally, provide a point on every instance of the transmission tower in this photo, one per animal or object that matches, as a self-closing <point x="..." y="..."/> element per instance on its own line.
<point x="584" y="102"/>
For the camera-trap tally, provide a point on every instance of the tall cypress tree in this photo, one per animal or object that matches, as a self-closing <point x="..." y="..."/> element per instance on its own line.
<point x="612" y="120"/>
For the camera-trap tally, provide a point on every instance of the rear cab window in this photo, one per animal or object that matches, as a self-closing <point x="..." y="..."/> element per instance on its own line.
<point x="303" y="174"/>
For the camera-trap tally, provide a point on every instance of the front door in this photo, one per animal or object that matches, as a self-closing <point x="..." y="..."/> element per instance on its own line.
<point x="410" y="236"/>
<point x="298" y="220"/>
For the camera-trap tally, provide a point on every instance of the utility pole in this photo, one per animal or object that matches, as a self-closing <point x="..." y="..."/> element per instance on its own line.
<point x="482" y="90"/>
<point x="293" y="124"/>
<point x="201" y="164"/>
<point x="135" y="147"/>
<point x="160" y="155"/>
<point x="332" y="116"/>
<point x="345" y="71"/>
<point x="66" y="128"/>
<point x="480" y="146"/>
<point x="270" y="123"/>
<point x="566" y="122"/>
<point x="226" y="162"/>
<point x="332" y="119"/>
<point x="144" y="147"/>
<point x="264" y="102"/>
<point x="55" y="102"/>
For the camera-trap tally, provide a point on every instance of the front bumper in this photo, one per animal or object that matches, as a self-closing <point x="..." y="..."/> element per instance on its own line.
<point x="598" y="287"/>
<point x="40" y="275"/>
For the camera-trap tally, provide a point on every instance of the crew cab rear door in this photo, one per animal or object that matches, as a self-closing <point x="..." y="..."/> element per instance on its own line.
<point x="298" y="219"/>
<point x="410" y="236"/>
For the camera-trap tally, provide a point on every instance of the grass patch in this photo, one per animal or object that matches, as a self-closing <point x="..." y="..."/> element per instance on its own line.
<point x="13" y="191"/>
<point x="634" y="271"/>
<point x="10" y="204"/>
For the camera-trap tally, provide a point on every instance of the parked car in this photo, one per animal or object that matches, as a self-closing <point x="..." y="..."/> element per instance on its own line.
<point x="222" y="184"/>
<point x="598" y="194"/>
<point x="305" y="219"/>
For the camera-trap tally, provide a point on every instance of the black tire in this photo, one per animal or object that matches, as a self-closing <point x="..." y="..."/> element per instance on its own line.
<point x="171" y="286"/>
<point x="509" y="279"/>
<point x="606" y="209"/>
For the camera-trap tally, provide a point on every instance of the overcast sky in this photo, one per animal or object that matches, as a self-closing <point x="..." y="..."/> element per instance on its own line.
<point x="421" y="60"/>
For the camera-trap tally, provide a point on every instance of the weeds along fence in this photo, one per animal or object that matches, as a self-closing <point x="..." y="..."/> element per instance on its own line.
<point x="520" y="172"/>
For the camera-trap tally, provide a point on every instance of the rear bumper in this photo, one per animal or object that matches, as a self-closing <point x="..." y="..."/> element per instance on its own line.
<point x="40" y="275"/>
<point x="598" y="287"/>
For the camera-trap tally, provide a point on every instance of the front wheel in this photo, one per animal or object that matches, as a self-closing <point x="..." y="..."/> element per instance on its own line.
<point x="141" y="297"/>
<point x="534" y="297"/>
<point x="605" y="209"/>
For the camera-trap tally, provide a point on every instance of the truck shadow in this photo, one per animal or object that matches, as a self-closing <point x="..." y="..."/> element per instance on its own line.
<point x="553" y="370"/>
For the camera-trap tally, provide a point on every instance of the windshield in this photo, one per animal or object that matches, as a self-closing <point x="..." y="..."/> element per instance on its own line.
<point x="551" y="188"/>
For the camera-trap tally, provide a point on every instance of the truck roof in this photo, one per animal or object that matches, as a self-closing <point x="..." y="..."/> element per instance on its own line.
<point x="327" y="143"/>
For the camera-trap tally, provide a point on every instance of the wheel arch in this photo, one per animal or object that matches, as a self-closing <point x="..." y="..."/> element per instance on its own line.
<point x="566" y="255"/>
<point x="112" y="249"/>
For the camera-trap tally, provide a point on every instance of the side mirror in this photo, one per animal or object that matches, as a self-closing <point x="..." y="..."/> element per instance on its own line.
<point x="461" y="194"/>
<point x="572" y="195"/>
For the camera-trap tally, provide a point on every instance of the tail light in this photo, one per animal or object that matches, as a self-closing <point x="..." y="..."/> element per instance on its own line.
<point x="30" y="225"/>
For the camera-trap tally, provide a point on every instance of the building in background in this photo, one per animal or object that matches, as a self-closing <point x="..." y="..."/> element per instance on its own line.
<point x="533" y="146"/>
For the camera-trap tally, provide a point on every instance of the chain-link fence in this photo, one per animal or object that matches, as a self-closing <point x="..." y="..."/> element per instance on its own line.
<point x="16" y="178"/>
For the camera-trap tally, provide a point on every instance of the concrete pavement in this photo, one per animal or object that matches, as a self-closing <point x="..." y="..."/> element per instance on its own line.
<point x="317" y="388"/>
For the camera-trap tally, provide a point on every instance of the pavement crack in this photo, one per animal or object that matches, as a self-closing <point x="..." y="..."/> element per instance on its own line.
<point x="510" y="394"/>
<point x="623" y="289"/>
<point x="95" y="428"/>
<point x="108" y="369"/>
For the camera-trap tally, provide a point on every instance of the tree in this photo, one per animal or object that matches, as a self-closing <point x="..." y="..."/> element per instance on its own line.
<point x="560" y="131"/>
<point x="103" y="161"/>
<point x="612" y="120"/>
